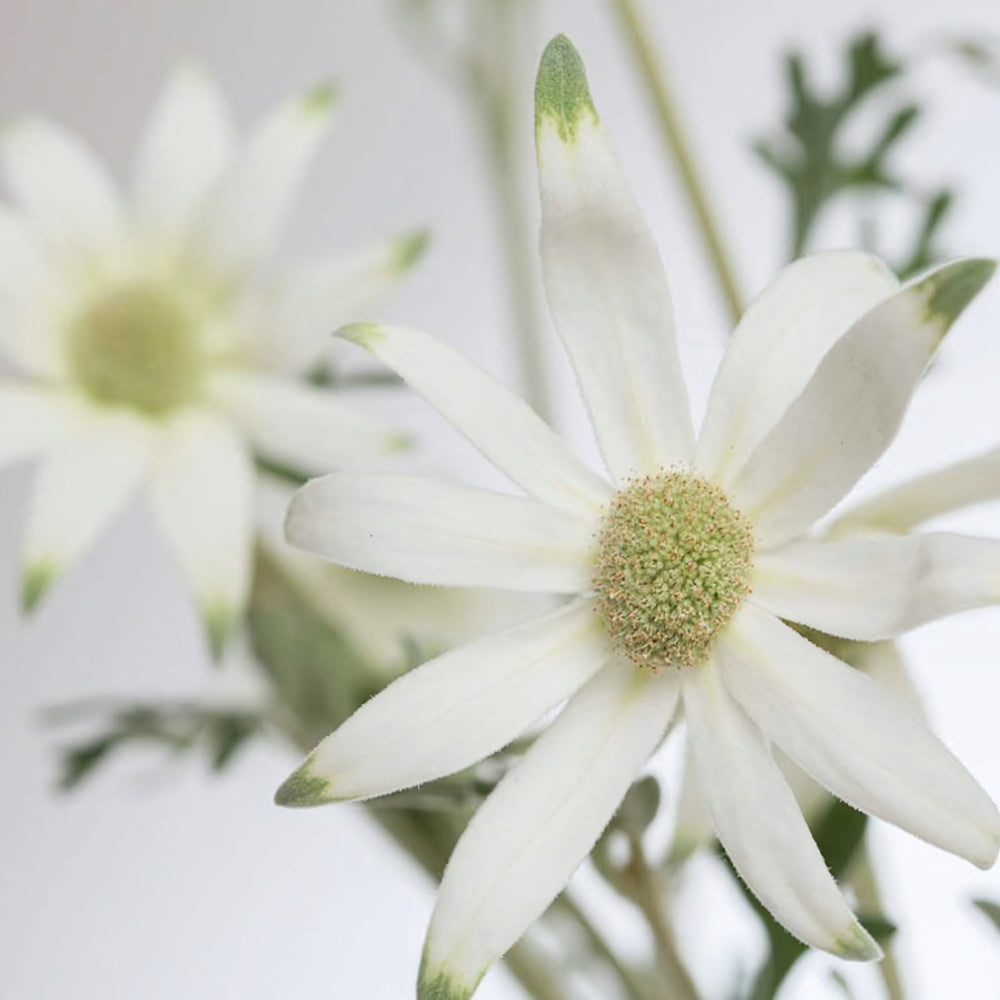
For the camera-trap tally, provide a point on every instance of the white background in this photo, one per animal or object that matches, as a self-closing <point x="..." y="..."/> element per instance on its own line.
<point x="158" y="883"/>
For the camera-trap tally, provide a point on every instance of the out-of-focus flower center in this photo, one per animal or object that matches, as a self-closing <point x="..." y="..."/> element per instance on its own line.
<point x="673" y="564"/>
<point x="138" y="347"/>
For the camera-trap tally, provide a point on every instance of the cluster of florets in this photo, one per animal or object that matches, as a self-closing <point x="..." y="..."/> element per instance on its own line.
<point x="673" y="564"/>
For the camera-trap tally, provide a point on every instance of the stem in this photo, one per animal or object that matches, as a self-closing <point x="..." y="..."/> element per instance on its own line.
<point x="649" y="894"/>
<point x="638" y="35"/>
<point x="498" y="116"/>
<point x="870" y="899"/>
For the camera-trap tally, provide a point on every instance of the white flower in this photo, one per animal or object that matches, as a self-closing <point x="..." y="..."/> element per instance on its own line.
<point x="150" y="347"/>
<point x="682" y="568"/>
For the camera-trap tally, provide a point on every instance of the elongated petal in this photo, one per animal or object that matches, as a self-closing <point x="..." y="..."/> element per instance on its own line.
<point x="851" y="409"/>
<point x="529" y="836"/>
<point x="454" y="710"/>
<point x="61" y="186"/>
<point x="971" y="481"/>
<point x="79" y="488"/>
<point x="314" y="299"/>
<point x="202" y="496"/>
<point x="855" y="738"/>
<point x="760" y="823"/>
<point x="877" y="587"/>
<point x="429" y="532"/>
<point x="309" y="430"/>
<point x="241" y="225"/>
<point x="605" y="284"/>
<point x="187" y="144"/>
<point x="31" y="420"/>
<point x="501" y="425"/>
<point x="783" y="335"/>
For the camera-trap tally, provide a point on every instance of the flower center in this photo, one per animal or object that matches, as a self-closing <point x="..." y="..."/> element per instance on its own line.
<point x="137" y="347"/>
<point x="673" y="564"/>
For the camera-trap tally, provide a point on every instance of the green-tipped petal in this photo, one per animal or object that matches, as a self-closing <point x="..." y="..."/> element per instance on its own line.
<point x="35" y="583"/>
<point x="409" y="248"/>
<point x="366" y="335"/>
<point x="321" y="99"/>
<point x="303" y="788"/>
<point x="950" y="289"/>
<point x="220" y="622"/>
<point x="436" y="983"/>
<point x="562" y="96"/>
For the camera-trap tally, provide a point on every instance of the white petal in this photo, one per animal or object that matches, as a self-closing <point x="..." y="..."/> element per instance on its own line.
<point x="79" y="488"/>
<point x="202" y="497"/>
<point x="241" y="224"/>
<point x="528" y="837"/>
<point x="309" y="430"/>
<point x="693" y="826"/>
<point x="501" y="425"/>
<point x="974" y="480"/>
<point x="884" y="663"/>
<point x="851" y="409"/>
<point x="877" y="587"/>
<point x="454" y="710"/>
<point x="187" y="143"/>
<point x="760" y="823"/>
<point x="856" y="738"/>
<point x="31" y="420"/>
<point x="604" y="280"/>
<point x="429" y="532"/>
<point x="776" y="347"/>
<point x="61" y="186"/>
<point x="312" y="300"/>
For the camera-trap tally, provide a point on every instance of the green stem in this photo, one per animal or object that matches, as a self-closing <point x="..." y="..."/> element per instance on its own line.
<point x="649" y="894"/>
<point x="638" y="36"/>
<point x="869" y="896"/>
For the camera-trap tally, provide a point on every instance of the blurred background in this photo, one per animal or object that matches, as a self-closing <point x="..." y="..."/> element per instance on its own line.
<point x="159" y="881"/>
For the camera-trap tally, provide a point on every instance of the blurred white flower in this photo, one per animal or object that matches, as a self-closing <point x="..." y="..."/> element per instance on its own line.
<point x="151" y="348"/>
<point x="681" y="569"/>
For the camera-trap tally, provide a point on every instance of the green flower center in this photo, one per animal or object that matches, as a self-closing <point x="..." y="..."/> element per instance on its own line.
<point x="137" y="347"/>
<point x="673" y="564"/>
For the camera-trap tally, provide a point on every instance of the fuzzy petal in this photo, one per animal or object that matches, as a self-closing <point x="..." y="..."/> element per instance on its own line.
<point x="760" y="823"/>
<point x="187" y="144"/>
<point x="604" y="280"/>
<point x="855" y="738"/>
<point x="434" y="532"/>
<point x="306" y="429"/>
<point x="241" y="224"/>
<point x="453" y="711"/>
<point x="529" y="836"/>
<point x="501" y="425"/>
<point x="202" y="499"/>
<point x="877" y="587"/>
<point x="31" y="420"/>
<point x="61" y="186"/>
<point x="81" y="485"/>
<point x="783" y="335"/>
<point x="851" y="409"/>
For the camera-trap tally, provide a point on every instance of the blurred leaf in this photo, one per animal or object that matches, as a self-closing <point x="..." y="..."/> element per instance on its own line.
<point x="814" y="161"/>
<point x="639" y="807"/>
<point x="989" y="909"/>
<point x="842" y="983"/>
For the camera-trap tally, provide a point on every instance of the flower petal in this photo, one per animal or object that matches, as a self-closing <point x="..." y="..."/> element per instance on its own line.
<point x="454" y="710"/>
<point x="312" y="300"/>
<point x="80" y="486"/>
<point x="760" y="823"/>
<point x="187" y="144"/>
<point x="783" y="335"/>
<point x="202" y="499"/>
<point x="604" y="280"/>
<point x="877" y="587"/>
<point x="501" y="425"/>
<point x="528" y="837"/>
<point x="430" y="532"/>
<point x="307" y="429"/>
<point x="855" y="738"/>
<point x="241" y="224"/>
<point x="851" y="409"/>
<point x="61" y="186"/>
<point x="31" y="420"/>
<point x="974" y="480"/>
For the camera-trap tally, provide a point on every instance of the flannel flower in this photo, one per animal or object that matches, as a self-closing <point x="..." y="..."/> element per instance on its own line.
<point x="682" y="571"/>
<point x="149" y="348"/>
